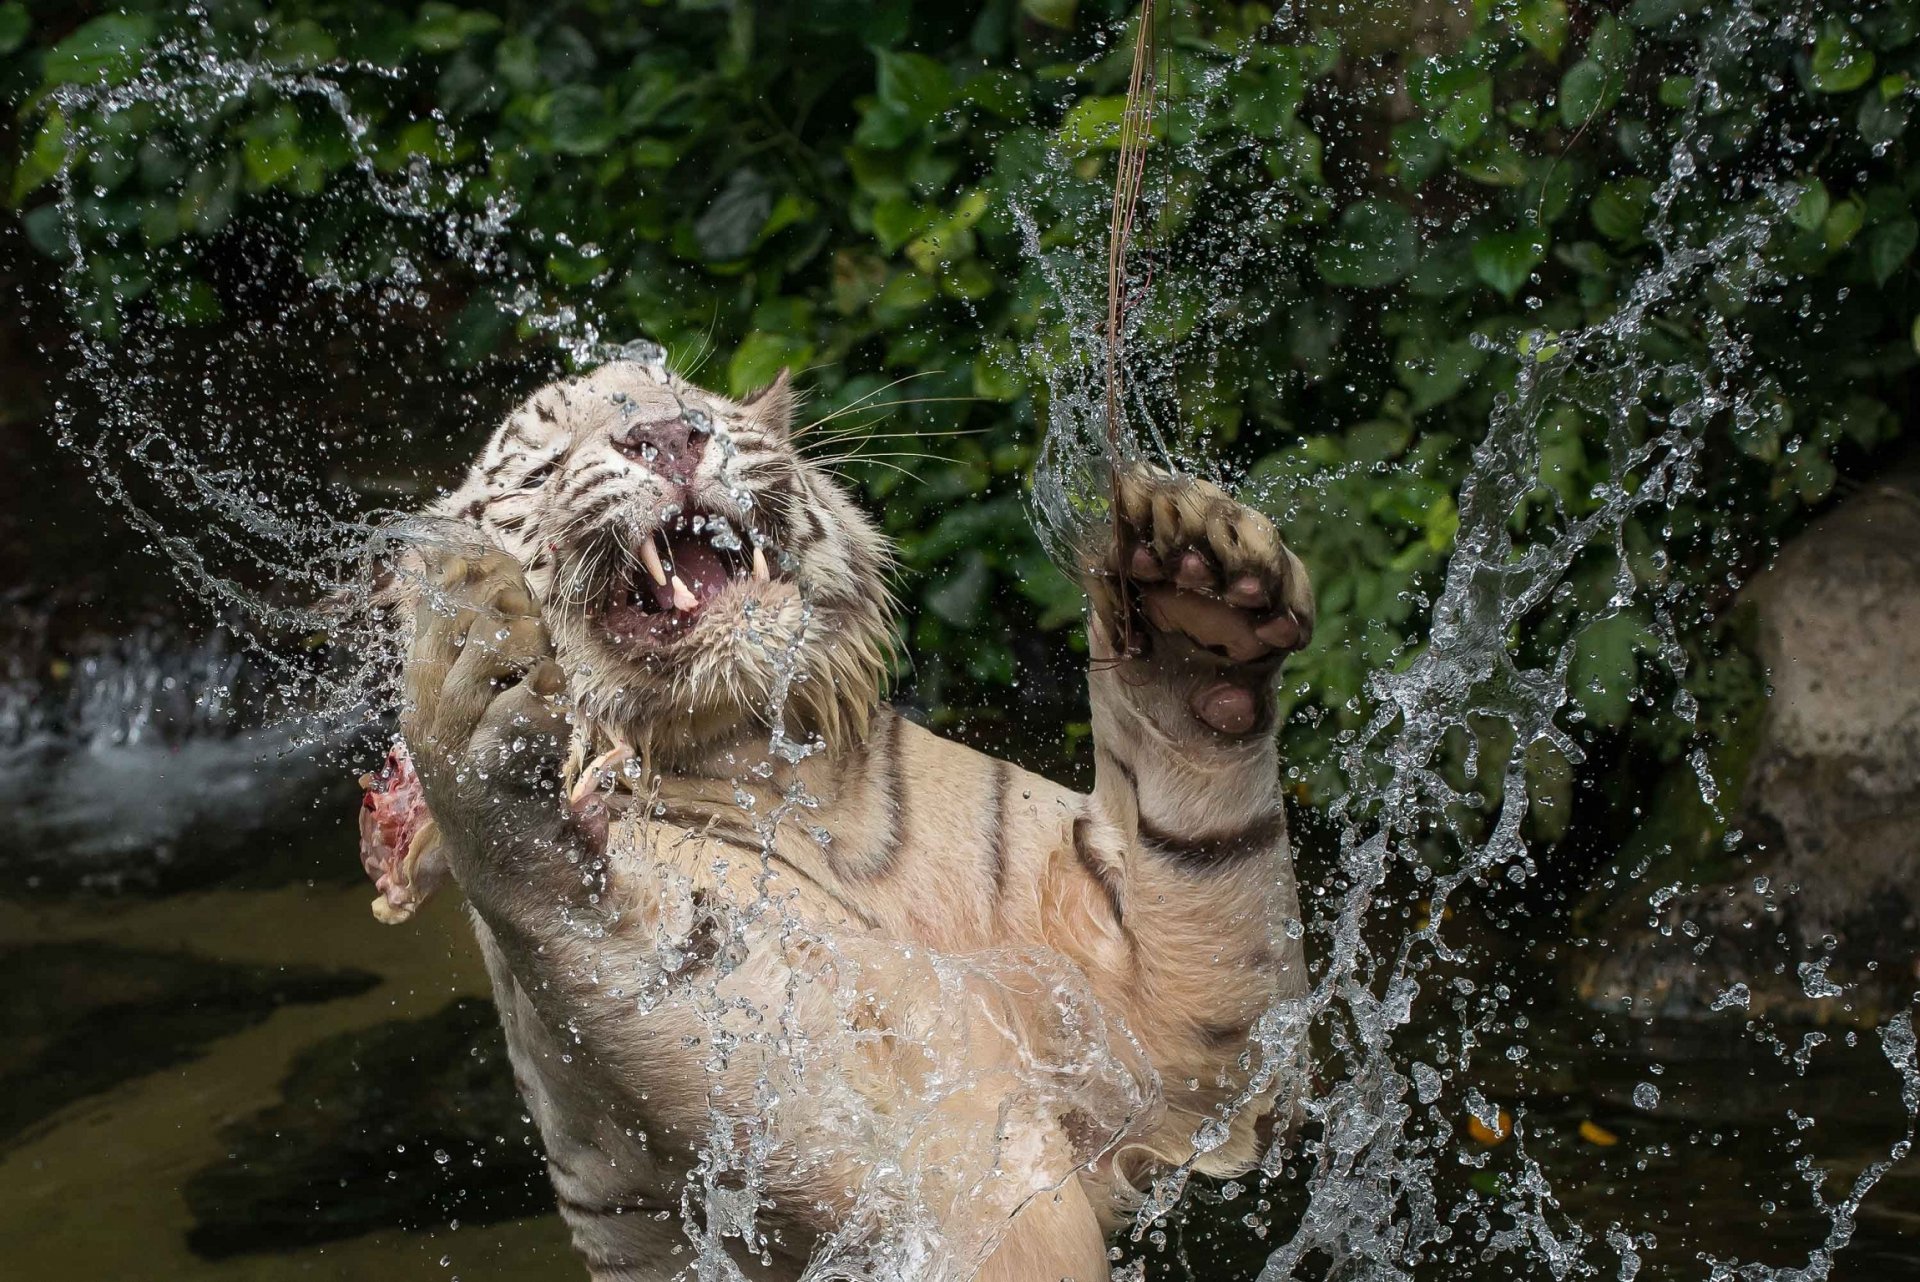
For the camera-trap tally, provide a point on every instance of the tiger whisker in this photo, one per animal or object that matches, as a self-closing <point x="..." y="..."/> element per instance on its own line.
<point x="857" y="403"/>
<point x="857" y="432"/>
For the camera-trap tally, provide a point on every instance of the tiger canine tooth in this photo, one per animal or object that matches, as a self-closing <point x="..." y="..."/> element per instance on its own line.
<point x="760" y="564"/>
<point x="683" y="597"/>
<point x="650" y="557"/>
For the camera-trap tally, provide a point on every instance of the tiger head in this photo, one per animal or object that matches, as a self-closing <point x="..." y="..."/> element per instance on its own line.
<point x="697" y="573"/>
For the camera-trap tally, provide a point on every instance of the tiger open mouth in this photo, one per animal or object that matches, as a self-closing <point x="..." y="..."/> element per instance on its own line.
<point x="665" y="584"/>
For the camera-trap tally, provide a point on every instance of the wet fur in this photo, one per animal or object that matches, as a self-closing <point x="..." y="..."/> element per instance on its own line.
<point x="1093" y="962"/>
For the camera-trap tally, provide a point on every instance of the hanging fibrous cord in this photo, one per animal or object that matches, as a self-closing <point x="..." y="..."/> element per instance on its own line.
<point x="1136" y="135"/>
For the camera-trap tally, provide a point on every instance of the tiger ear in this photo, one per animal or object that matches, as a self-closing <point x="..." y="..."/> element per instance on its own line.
<point x="773" y="404"/>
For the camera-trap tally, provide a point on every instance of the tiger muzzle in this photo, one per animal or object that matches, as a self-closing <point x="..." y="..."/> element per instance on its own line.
<point x="668" y="447"/>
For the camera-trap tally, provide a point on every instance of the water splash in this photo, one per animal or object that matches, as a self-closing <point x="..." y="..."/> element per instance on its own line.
<point x="276" y="539"/>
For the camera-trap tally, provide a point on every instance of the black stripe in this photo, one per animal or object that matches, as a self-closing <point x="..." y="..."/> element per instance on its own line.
<point x="1214" y="849"/>
<point x="997" y="844"/>
<point x="599" y="509"/>
<point x="703" y="823"/>
<point x="597" y="1263"/>
<point x="800" y="873"/>
<point x="709" y="828"/>
<point x="595" y="1210"/>
<point x="778" y="492"/>
<point x="758" y="471"/>
<point x="1096" y="867"/>
<point x="546" y="415"/>
<point x="885" y="755"/>
<point x="584" y="484"/>
<point x="1126" y="771"/>
<point x="1221" y="1036"/>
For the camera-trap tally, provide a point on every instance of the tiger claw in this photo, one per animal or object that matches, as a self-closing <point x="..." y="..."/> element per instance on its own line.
<point x="589" y="781"/>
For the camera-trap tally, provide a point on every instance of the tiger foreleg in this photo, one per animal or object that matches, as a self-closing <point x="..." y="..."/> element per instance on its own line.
<point x="487" y="731"/>
<point x="1196" y="602"/>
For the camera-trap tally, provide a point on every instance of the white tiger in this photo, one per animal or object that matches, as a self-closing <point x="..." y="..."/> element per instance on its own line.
<point x="782" y="969"/>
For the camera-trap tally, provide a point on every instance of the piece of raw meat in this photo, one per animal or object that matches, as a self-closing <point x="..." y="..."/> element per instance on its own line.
<point x="399" y="841"/>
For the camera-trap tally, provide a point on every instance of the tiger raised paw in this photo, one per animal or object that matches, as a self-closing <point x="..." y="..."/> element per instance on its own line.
<point x="1189" y="565"/>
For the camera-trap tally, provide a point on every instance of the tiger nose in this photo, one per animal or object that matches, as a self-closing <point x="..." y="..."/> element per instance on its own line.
<point x="669" y="447"/>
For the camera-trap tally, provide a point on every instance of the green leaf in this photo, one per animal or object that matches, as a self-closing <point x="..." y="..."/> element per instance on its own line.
<point x="883" y="127"/>
<point x="106" y="50"/>
<point x="1611" y="43"/>
<point x="271" y="159"/>
<point x="1843" y="223"/>
<point x="46" y="232"/>
<point x="1466" y="114"/>
<point x="897" y="220"/>
<point x="1060" y="599"/>
<point x="1057" y="14"/>
<point x="1812" y="475"/>
<point x="1376" y="440"/>
<point x="1605" y="667"/>
<point x="579" y="122"/>
<point x="1457" y="101"/>
<point x="1889" y="246"/>
<point x="730" y="226"/>
<point x="1841" y="60"/>
<point x="15" y="23"/>
<point x="43" y="160"/>
<point x="1619" y="209"/>
<point x="442" y="28"/>
<point x="1543" y="25"/>
<point x="1093" y="124"/>
<point x="1495" y="162"/>
<point x="1587" y="90"/>
<point x="996" y="373"/>
<point x="190" y="302"/>
<point x="919" y="87"/>
<point x="1648" y="14"/>
<point x="1376" y="244"/>
<point x="1758" y="434"/>
<point x="1550" y="788"/>
<point x="1001" y="93"/>
<point x="961" y="598"/>
<point x="1418" y="153"/>
<point x="1863" y="420"/>
<point x="761" y="356"/>
<point x="1880" y="121"/>
<point x="1506" y="260"/>
<point x="1435" y="373"/>
<point x="1810" y="211"/>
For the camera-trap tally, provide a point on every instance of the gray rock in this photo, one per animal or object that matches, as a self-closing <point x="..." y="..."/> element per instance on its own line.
<point x="1813" y="899"/>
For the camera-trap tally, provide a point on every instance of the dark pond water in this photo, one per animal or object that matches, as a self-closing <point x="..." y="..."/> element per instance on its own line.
<point x="247" y="1077"/>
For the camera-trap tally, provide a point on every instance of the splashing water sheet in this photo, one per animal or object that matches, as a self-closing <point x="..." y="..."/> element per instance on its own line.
<point x="1417" y="1046"/>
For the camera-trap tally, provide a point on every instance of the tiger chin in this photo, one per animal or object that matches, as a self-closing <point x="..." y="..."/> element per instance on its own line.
<point x="788" y="981"/>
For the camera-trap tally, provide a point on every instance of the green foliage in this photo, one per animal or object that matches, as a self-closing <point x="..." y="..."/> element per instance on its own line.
<point x="831" y="186"/>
